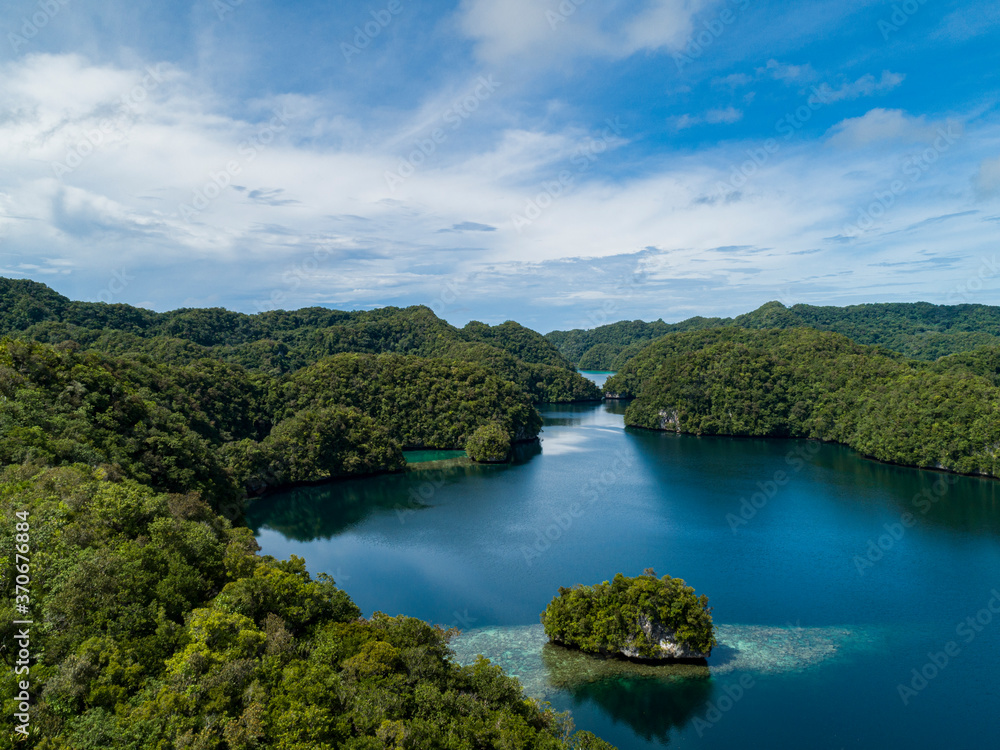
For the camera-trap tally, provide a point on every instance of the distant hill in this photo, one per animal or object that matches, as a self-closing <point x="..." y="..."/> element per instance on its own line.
<point x="606" y="347"/>
<point x="917" y="329"/>
<point x="280" y="341"/>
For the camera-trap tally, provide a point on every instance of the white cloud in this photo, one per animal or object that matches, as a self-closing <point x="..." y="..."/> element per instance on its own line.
<point x="879" y="125"/>
<point x="506" y="29"/>
<point x="787" y="72"/>
<point x="532" y="32"/>
<point x="966" y="23"/>
<point x="298" y="201"/>
<point x="867" y="85"/>
<point x="988" y="177"/>
<point x="734" y="80"/>
<point x="724" y="116"/>
<point x="664" y="24"/>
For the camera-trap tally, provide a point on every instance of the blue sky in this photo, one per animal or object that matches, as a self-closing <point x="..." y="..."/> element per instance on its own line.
<point x="564" y="163"/>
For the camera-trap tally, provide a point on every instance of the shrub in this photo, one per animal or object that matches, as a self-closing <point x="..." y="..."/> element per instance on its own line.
<point x="489" y="444"/>
<point x="609" y="617"/>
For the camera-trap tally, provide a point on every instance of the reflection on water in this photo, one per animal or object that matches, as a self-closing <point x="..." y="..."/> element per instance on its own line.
<point x="448" y="541"/>
<point x="324" y="511"/>
<point x="655" y="699"/>
<point x="308" y="513"/>
<point x="969" y="505"/>
<point x="653" y="708"/>
<point x="543" y="668"/>
<point x="421" y="457"/>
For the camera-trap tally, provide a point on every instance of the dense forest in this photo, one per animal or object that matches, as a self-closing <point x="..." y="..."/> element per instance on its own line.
<point x="608" y="347"/>
<point x="918" y="330"/>
<point x="157" y="625"/>
<point x="807" y="383"/>
<point x="129" y="442"/>
<point x="213" y="427"/>
<point x="632" y="617"/>
<point x="281" y="342"/>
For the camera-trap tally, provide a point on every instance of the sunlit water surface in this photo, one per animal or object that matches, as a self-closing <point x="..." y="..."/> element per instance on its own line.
<point x="825" y="599"/>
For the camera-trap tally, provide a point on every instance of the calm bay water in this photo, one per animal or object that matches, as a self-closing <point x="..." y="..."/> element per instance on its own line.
<point x="819" y="624"/>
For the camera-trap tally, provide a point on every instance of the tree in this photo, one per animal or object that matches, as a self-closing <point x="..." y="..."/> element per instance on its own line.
<point x="489" y="444"/>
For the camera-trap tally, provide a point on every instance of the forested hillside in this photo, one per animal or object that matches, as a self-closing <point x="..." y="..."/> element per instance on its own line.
<point x="281" y="341"/>
<point x="214" y="427"/>
<point x="918" y="330"/>
<point x="608" y="347"/>
<point x="156" y="625"/>
<point x="807" y="383"/>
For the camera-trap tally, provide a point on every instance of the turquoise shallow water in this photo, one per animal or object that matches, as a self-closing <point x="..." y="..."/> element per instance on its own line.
<point x="423" y="457"/>
<point x="826" y="601"/>
<point x="546" y="670"/>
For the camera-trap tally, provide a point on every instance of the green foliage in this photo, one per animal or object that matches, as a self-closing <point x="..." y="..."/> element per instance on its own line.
<point x="424" y="403"/>
<point x="206" y="425"/>
<point x="314" y="445"/>
<point x="489" y="444"/>
<point x="608" y="617"/>
<point x="983" y="361"/>
<point x="279" y="342"/>
<point x="61" y="406"/>
<point x="607" y="347"/>
<point x="627" y="382"/>
<point x="519" y="341"/>
<point x="158" y="626"/>
<point x="543" y="382"/>
<point x="918" y="330"/>
<point x="807" y="383"/>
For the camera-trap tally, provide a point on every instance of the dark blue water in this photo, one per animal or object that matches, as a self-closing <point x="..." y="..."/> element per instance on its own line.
<point x="482" y="547"/>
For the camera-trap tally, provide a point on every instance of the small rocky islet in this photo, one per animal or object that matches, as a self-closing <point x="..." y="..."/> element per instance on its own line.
<point x="644" y="618"/>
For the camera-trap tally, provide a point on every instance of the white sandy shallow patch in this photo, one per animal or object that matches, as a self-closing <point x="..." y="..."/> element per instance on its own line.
<point x="524" y="652"/>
